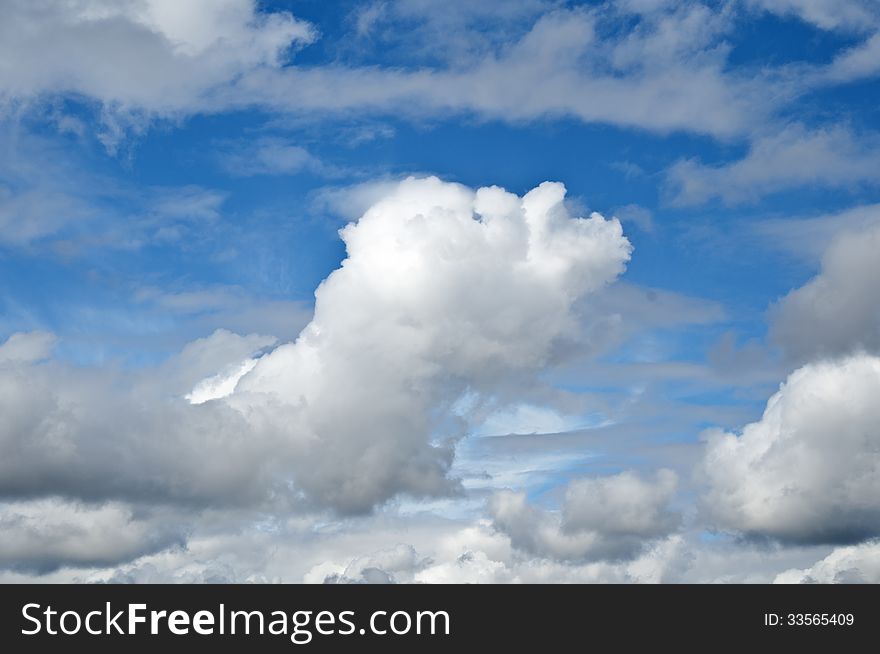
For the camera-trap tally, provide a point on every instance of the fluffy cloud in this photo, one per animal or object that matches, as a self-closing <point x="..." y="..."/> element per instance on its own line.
<point x="104" y="434"/>
<point x="808" y="470"/>
<point x="385" y="547"/>
<point x="478" y="553"/>
<point x="152" y="55"/>
<point x="444" y="290"/>
<point x="382" y="567"/>
<point x="856" y="564"/>
<point x="603" y="518"/>
<point x="838" y="311"/>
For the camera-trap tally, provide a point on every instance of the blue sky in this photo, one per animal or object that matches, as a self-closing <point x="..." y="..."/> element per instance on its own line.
<point x="165" y="173"/>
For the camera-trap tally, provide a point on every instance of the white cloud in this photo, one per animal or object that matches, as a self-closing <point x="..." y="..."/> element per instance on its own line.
<point x="233" y="546"/>
<point x="158" y="56"/>
<point x="612" y="517"/>
<point x="855" y="15"/>
<point x="831" y="157"/>
<point x="147" y="58"/>
<point x="838" y="311"/>
<point x="443" y="289"/>
<point x="210" y="361"/>
<point x="27" y="347"/>
<point x="845" y="565"/>
<point x="665" y="71"/>
<point x="476" y="554"/>
<point x="558" y="68"/>
<point x="220" y="385"/>
<point x="352" y="201"/>
<point x="391" y="565"/>
<point x="807" y="471"/>
<point x="857" y="62"/>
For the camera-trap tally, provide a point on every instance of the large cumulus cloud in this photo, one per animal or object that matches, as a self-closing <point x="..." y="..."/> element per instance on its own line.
<point x="444" y="290"/>
<point x="807" y="471"/>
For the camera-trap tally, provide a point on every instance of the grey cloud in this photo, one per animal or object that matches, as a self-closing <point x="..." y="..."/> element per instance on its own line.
<point x="98" y="435"/>
<point x="382" y="567"/>
<point x="26" y="347"/>
<point x="228" y="546"/>
<point x="838" y="311"/>
<point x="42" y="535"/>
<point x="602" y="518"/>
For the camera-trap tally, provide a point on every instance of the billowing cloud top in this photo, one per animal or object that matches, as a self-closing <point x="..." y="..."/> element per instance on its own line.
<point x="444" y="289"/>
<point x="807" y="471"/>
